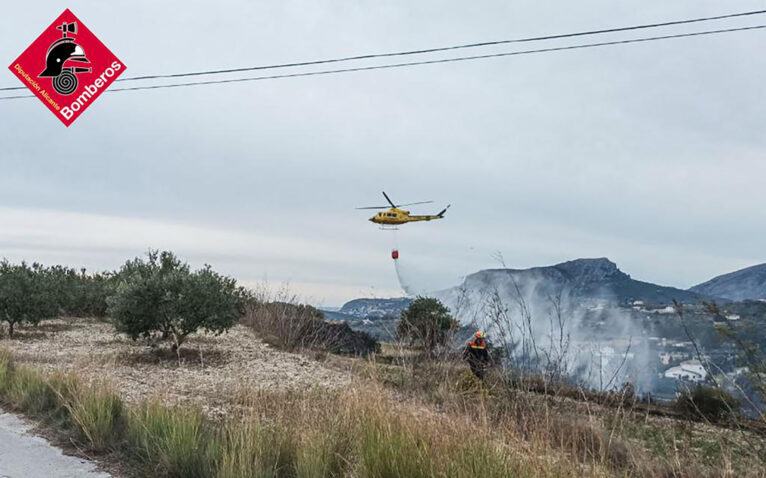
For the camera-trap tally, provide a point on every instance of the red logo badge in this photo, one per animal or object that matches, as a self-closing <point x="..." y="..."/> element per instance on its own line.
<point x="67" y="67"/>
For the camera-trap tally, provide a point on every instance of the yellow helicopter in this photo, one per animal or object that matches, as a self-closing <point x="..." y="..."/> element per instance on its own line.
<point x="395" y="216"/>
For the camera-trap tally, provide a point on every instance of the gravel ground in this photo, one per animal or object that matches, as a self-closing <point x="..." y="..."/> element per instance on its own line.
<point x="211" y="371"/>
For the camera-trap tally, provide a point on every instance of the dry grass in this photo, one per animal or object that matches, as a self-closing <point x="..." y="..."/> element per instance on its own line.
<point x="608" y="433"/>
<point x="397" y="417"/>
<point x="208" y="375"/>
<point x="294" y="327"/>
<point x="171" y="441"/>
<point x="363" y="431"/>
<point x="357" y="432"/>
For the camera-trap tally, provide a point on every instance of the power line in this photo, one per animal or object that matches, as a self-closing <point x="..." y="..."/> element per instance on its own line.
<point x="448" y="48"/>
<point x="427" y="62"/>
<point x="435" y="50"/>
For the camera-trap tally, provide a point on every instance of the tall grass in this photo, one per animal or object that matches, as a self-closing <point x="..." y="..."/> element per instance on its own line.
<point x="360" y="432"/>
<point x="96" y="412"/>
<point x="326" y="452"/>
<point x="92" y="413"/>
<point x="357" y="432"/>
<point x="177" y="441"/>
<point x="27" y="392"/>
<point x="390" y="448"/>
<point x="255" y="449"/>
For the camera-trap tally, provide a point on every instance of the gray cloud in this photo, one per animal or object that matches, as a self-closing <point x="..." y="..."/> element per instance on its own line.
<point x="649" y="154"/>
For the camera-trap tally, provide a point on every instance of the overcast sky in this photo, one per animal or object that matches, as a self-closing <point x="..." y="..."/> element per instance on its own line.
<point x="649" y="154"/>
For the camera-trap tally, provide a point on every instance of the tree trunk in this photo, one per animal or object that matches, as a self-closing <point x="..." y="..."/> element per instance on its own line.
<point x="10" y="329"/>
<point x="177" y="341"/>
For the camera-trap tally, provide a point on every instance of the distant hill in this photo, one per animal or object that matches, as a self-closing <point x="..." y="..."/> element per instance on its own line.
<point x="584" y="280"/>
<point x="375" y="308"/>
<point x="331" y="314"/>
<point x="597" y="280"/>
<point x="744" y="284"/>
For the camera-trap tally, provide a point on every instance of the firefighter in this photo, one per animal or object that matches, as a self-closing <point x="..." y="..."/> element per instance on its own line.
<point x="477" y="355"/>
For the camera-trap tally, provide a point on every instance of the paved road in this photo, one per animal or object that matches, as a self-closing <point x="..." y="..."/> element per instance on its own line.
<point x="27" y="456"/>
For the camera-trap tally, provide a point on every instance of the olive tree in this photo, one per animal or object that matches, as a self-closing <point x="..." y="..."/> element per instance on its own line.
<point x="25" y="295"/>
<point x="426" y="321"/>
<point x="160" y="297"/>
<point x="78" y="293"/>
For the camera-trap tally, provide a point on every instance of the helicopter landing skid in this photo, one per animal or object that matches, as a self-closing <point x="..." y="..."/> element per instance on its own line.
<point x="390" y="228"/>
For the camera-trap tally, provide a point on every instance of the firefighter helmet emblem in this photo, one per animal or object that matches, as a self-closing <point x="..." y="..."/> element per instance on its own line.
<point x="62" y="59"/>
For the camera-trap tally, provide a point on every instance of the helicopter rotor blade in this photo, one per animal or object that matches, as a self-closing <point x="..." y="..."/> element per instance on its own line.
<point x="374" y="207"/>
<point x="413" y="203"/>
<point x="388" y="199"/>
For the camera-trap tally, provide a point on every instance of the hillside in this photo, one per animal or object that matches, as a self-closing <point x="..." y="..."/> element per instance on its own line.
<point x="598" y="280"/>
<point x="375" y="308"/>
<point x="744" y="284"/>
<point x="585" y="281"/>
<point x="230" y="406"/>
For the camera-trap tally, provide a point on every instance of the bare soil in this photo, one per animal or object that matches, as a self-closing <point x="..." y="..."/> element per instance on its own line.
<point x="210" y="371"/>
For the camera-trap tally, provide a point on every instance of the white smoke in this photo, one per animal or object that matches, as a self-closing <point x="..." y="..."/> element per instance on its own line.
<point x="403" y="283"/>
<point x="595" y="343"/>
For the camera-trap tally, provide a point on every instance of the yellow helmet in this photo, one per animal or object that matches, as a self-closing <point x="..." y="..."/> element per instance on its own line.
<point x="479" y="334"/>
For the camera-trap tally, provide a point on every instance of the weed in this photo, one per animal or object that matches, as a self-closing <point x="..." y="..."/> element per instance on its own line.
<point x="391" y="448"/>
<point x="96" y="413"/>
<point x="175" y="440"/>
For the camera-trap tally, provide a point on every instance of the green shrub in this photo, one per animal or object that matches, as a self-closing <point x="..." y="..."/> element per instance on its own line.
<point x="29" y="294"/>
<point x="78" y="293"/>
<point x="426" y="321"/>
<point x="711" y="403"/>
<point x="161" y="297"/>
<point x="25" y="294"/>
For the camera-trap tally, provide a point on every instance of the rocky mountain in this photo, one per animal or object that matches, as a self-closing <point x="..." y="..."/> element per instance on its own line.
<point x="748" y="283"/>
<point x="583" y="280"/>
<point x="375" y="308"/>
<point x="594" y="280"/>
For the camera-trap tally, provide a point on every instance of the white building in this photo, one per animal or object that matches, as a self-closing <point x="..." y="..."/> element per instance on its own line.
<point x="667" y="310"/>
<point x="691" y="370"/>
